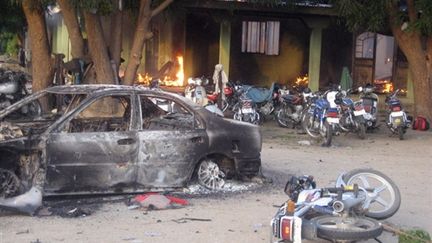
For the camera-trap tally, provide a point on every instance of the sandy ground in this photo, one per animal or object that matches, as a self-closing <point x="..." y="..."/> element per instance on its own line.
<point x="245" y="216"/>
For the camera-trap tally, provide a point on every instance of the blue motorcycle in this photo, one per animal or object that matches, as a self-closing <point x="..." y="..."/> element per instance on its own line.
<point x="320" y="120"/>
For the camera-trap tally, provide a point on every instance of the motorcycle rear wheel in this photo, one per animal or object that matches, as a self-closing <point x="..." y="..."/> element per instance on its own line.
<point x="327" y="134"/>
<point x="361" y="132"/>
<point x="386" y="194"/>
<point x="337" y="228"/>
<point x="401" y="132"/>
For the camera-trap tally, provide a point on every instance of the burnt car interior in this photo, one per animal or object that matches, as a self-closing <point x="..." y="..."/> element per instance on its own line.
<point x="108" y="114"/>
<point x="164" y="114"/>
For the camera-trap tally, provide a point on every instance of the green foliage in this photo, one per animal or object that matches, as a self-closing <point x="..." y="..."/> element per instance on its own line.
<point x="369" y="15"/>
<point x="373" y="15"/>
<point x="9" y="43"/>
<point x="102" y="7"/>
<point x="415" y="236"/>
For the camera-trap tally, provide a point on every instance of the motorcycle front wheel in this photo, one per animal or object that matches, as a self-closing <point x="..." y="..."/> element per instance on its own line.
<point x="308" y="124"/>
<point x="336" y="228"/>
<point x="282" y="116"/>
<point x="386" y="198"/>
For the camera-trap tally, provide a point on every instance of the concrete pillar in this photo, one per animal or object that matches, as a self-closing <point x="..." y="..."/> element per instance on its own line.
<point x="315" y="58"/>
<point x="225" y="45"/>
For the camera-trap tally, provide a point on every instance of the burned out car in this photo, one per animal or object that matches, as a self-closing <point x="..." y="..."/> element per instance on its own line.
<point x="89" y="139"/>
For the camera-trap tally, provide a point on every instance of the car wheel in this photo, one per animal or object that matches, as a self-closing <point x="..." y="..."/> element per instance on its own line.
<point x="9" y="183"/>
<point x="210" y="175"/>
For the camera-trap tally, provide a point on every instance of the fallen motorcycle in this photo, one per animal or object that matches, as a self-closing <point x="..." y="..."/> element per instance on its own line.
<point x="346" y="212"/>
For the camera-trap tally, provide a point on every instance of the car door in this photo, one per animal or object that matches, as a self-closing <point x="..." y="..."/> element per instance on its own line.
<point x="95" y="149"/>
<point x="172" y="140"/>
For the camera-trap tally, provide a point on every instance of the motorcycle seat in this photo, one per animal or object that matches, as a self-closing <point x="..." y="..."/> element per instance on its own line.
<point x="258" y="94"/>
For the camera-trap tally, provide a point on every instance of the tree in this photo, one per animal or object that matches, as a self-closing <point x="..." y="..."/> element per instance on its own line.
<point x="42" y="68"/>
<point x="411" y="25"/>
<point x="71" y="21"/>
<point x="146" y="13"/>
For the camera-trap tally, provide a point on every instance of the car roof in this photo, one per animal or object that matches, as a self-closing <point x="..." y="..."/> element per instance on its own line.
<point x="90" y="88"/>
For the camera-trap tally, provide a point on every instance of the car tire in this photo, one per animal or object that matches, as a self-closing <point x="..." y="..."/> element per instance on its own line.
<point x="210" y="175"/>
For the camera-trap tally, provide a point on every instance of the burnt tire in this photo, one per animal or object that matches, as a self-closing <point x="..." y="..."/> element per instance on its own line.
<point x="387" y="197"/>
<point x="9" y="183"/>
<point x="337" y="228"/>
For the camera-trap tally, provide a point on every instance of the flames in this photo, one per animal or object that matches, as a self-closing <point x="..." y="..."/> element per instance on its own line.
<point x="302" y="81"/>
<point x="384" y="86"/>
<point x="178" y="80"/>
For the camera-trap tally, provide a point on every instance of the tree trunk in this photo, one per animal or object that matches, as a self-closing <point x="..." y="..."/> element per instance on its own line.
<point x="138" y="42"/>
<point x="141" y="34"/>
<point x="116" y="36"/>
<point x="72" y="25"/>
<point x="42" y="68"/>
<point x="410" y="43"/>
<point x="98" y="49"/>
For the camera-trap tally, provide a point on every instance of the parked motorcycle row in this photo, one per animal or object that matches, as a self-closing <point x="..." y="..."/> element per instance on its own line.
<point x="322" y="115"/>
<point x="347" y="212"/>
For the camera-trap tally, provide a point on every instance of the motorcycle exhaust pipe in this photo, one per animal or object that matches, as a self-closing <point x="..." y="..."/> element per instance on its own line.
<point x="339" y="206"/>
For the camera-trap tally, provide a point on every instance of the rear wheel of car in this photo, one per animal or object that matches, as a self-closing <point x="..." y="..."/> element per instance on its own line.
<point x="210" y="175"/>
<point x="9" y="183"/>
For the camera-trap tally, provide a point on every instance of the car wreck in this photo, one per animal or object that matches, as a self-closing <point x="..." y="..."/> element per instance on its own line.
<point x="94" y="139"/>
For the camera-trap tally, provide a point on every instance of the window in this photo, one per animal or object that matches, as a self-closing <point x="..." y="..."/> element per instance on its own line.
<point x="107" y="114"/>
<point x="365" y="44"/>
<point x="261" y="37"/>
<point x="165" y="114"/>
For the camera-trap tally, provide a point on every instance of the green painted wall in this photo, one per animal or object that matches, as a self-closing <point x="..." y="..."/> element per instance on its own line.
<point x="264" y="69"/>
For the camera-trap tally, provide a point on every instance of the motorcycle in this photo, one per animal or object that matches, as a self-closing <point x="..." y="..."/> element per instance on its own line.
<point x="246" y="110"/>
<point x="292" y="107"/>
<point x="320" y="119"/>
<point x="351" y="114"/>
<point x="370" y="103"/>
<point x="397" y="119"/>
<point x="12" y="89"/>
<point x="196" y="92"/>
<point x="231" y="96"/>
<point x="344" y="213"/>
<point x="256" y="102"/>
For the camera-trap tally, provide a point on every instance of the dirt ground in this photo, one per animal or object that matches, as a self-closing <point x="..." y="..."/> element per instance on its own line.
<point x="245" y="216"/>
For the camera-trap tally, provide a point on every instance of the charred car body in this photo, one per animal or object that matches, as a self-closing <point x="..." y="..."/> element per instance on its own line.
<point x="91" y="139"/>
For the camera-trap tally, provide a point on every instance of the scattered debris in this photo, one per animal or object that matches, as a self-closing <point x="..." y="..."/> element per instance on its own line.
<point x="156" y="201"/>
<point x="23" y="232"/>
<point x="185" y="220"/>
<point x="8" y="131"/>
<point x="152" y="234"/>
<point x="304" y="142"/>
